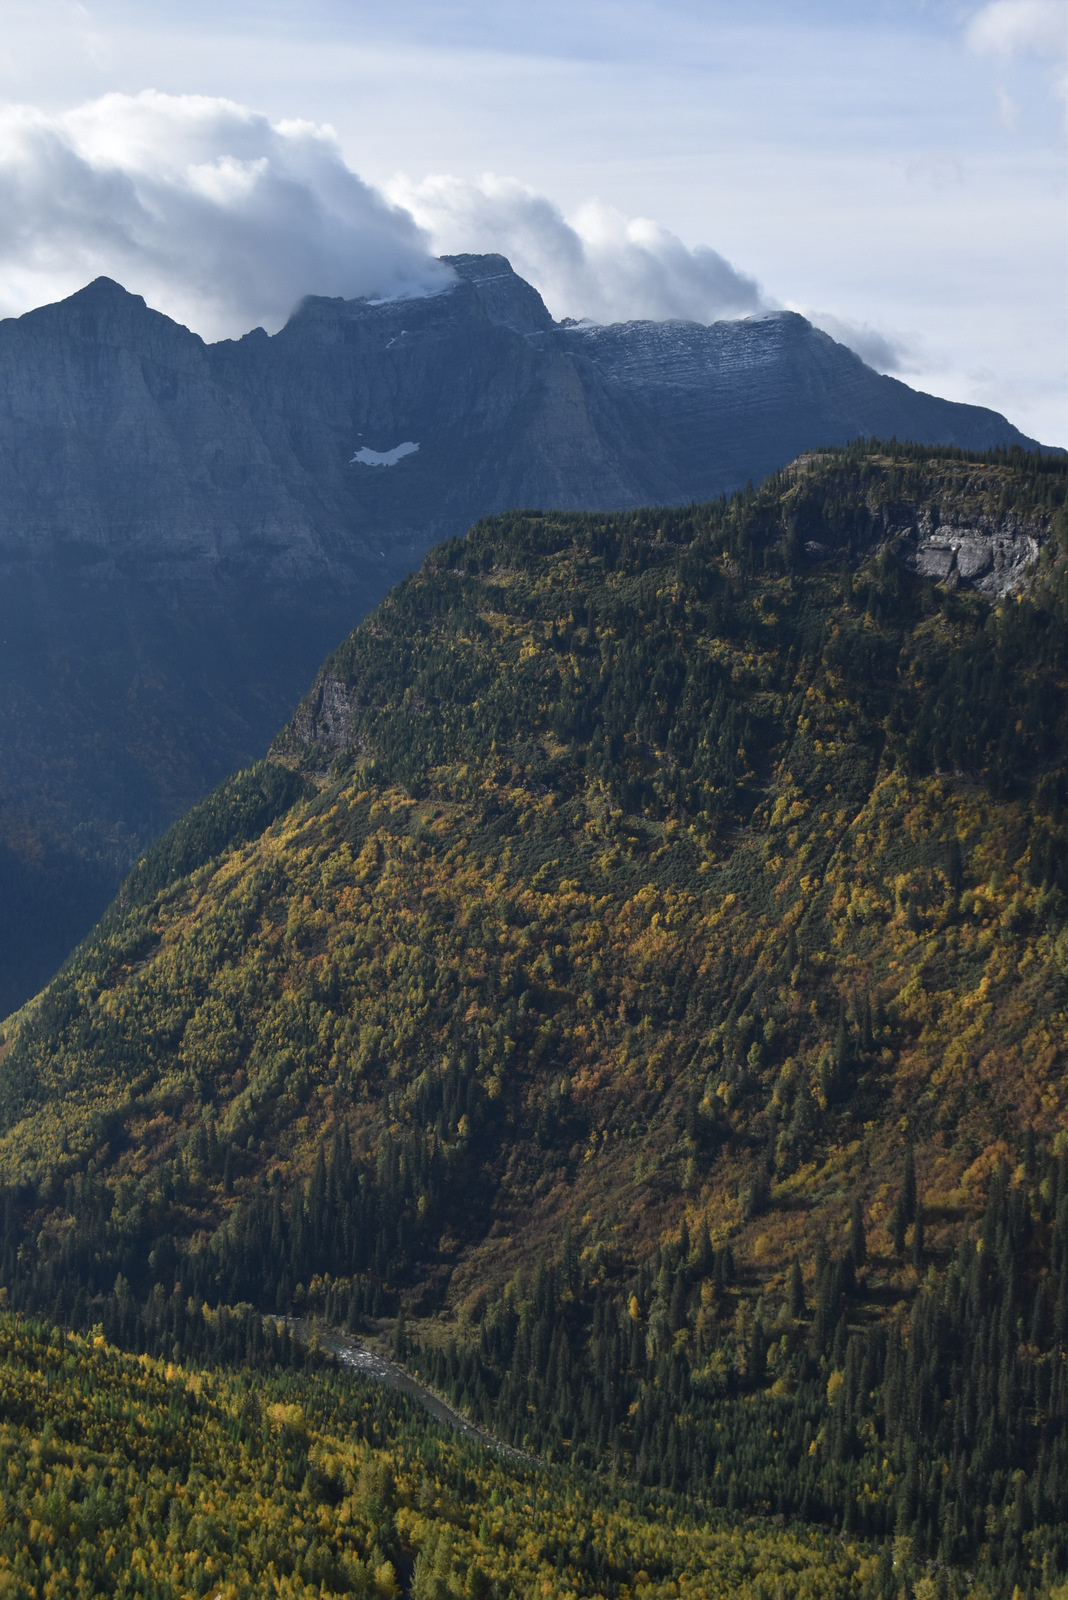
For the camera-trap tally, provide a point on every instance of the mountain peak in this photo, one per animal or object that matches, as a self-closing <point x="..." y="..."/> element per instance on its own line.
<point x="105" y="289"/>
<point x="106" y="310"/>
<point x="507" y="299"/>
<point x="481" y="268"/>
<point x="104" y="295"/>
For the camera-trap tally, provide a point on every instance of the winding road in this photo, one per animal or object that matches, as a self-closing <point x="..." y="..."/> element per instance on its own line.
<point x="359" y="1357"/>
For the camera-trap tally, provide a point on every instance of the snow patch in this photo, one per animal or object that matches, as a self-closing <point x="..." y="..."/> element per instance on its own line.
<point x="383" y="458"/>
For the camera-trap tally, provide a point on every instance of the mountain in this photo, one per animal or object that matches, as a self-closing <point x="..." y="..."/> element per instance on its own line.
<point x="643" y="963"/>
<point x="186" y="529"/>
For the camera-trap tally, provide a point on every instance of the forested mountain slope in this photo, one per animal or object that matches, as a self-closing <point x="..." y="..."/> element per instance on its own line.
<point x="643" y="962"/>
<point x="286" y="1478"/>
<point x="186" y="529"/>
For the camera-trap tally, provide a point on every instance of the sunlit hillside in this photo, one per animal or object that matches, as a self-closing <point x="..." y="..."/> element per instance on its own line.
<point x="642" y="963"/>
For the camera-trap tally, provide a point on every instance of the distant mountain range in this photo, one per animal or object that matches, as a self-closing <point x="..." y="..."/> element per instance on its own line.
<point x="186" y="529"/>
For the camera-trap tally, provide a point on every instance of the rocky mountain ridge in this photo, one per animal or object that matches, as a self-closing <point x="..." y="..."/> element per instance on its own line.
<point x="186" y="529"/>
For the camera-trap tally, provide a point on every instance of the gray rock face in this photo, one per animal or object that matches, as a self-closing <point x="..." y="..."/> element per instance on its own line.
<point x="992" y="555"/>
<point x="738" y="400"/>
<point x="187" y="529"/>
<point x="324" y="719"/>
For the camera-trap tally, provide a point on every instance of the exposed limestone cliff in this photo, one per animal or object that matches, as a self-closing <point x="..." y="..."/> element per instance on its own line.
<point x="993" y="554"/>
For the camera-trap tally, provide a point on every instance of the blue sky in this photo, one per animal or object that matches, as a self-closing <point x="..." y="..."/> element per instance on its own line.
<point x="891" y="167"/>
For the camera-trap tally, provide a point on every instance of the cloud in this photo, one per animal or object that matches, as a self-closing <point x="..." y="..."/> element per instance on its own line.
<point x="1032" y="27"/>
<point x="601" y="265"/>
<point x="1008" y="110"/>
<point x="225" y="220"/>
<point x="597" y="264"/>
<point x="879" y="350"/>
<point x="216" y="215"/>
<point x="1005" y="26"/>
<point x="936" y="169"/>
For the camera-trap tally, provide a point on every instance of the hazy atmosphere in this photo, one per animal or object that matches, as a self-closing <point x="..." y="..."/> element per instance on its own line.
<point x="894" y="171"/>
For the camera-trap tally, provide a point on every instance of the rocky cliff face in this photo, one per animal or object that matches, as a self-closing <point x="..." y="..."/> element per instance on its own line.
<point x="993" y="554"/>
<point x="187" y="529"/>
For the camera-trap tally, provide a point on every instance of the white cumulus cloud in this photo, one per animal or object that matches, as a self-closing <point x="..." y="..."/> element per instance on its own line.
<point x="215" y="214"/>
<point x="597" y="263"/>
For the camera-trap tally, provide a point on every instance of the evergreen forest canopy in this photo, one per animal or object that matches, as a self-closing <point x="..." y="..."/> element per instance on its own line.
<point x="640" y="974"/>
<point x="131" y="1475"/>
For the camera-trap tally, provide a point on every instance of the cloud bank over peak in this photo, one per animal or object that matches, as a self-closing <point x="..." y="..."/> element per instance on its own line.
<point x="882" y="351"/>
<point x="597" y="264"/>
<point x="226" y="220"/>
<point x="216" y="215"/>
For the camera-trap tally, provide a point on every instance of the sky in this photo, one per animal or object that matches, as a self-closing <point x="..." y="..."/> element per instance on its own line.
<point x="894" y="169"/>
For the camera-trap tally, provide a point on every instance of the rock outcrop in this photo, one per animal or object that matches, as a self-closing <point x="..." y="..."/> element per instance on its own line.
<point x="993" y="554"/>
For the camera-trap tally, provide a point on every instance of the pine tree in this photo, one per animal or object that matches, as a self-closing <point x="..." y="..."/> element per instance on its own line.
<point x="858" y="1247"/>
<point x="904" y="1210"/>
<point x="908" y="1186"/>
<point x="795" y="1290"/>
<point x="399" y="1346"/>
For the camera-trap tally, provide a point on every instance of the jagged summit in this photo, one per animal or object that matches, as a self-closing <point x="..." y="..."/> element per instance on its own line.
<point x="486" y="286"/>
<point x="507" y="298"/>
<point x="102" y="293"/>
<point x="99" y="291"/>
<point x="482" y="268"/>
<point x="103" y="313"/>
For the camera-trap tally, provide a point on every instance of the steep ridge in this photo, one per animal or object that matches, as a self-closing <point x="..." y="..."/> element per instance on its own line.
<point x="186" y="529"/>
<point x="738" y="399"/>
<point x="658" y="989"/>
